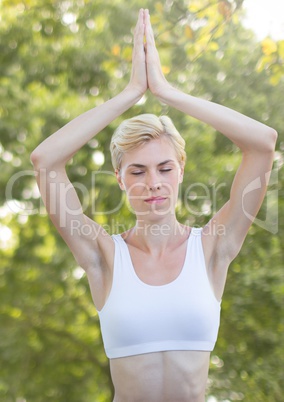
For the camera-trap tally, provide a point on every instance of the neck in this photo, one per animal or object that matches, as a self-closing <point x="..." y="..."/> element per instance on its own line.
<point x="157" y="234"/>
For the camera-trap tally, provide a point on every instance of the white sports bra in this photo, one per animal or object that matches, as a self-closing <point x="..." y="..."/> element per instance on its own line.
<point x="138" y="318"/>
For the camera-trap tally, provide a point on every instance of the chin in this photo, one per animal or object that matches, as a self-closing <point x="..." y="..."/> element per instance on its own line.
<point x="154" y="215"/>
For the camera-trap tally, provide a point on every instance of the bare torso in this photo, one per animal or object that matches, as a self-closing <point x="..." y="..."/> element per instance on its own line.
<point x="170" y="376"/>
<point x="173" y="376"/>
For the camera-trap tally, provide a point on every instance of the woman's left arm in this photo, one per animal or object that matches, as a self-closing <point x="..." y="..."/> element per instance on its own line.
<point x="257" y="143"/>
<point x="255" y="140"/>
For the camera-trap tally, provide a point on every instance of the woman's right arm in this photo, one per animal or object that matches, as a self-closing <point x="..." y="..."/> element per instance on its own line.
<point x="50" y="158"/>
<point x="59" y="148"/>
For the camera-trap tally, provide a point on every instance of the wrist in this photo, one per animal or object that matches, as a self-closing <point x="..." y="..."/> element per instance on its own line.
<point x="165" y="92"/>
<point x="134" y="92"/>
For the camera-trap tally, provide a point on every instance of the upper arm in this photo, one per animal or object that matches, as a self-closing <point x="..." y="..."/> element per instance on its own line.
<point x="224" y="234"/>
<point x="231" y="223"/>
<point x="82" y="235"/>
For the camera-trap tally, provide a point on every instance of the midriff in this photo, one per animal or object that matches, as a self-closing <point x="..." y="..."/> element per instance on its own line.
<point x="171" y="376"/>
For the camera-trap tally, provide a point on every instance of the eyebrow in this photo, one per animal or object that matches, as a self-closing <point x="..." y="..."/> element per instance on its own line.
<point x="138" y="165"/>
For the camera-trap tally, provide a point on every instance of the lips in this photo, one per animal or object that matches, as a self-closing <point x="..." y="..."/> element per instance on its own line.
<point x="155" y="199"/>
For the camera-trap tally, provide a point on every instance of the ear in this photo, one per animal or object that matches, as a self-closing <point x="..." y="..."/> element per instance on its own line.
<point x="119" y="179"/>
<point x="181" y="174"/>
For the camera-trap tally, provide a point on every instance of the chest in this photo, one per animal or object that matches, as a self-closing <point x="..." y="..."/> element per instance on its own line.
<point x="158" y="270"/>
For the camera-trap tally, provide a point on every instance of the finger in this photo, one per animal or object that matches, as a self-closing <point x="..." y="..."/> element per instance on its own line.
<point x="140" y="22"/>
<point x="138" y="43"/>
<point x="148" y="28"/>
<point x="139" y="29"/>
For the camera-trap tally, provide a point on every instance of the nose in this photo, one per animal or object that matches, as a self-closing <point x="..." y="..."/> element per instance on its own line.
<point x="153" y="180"/>
<point x="154" y="187"/>
<point x="153" y="183"/>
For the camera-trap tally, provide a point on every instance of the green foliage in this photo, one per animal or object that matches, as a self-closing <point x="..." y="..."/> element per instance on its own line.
<point x="272" y="60"/>
<point x="60" y="58"/>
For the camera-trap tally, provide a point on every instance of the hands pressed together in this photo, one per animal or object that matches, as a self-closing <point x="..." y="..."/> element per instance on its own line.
<point x="146" y="66"/>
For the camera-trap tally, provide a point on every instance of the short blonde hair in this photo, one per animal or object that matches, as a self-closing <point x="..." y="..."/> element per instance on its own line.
<point x="138" y="130"/>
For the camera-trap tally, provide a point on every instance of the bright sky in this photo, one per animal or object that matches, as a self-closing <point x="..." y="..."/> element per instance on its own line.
<point x="265" y="17"/>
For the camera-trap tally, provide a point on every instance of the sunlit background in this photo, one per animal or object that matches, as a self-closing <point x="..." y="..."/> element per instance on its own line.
<point x="265" y="17"/>
<point x="59" y="58"/>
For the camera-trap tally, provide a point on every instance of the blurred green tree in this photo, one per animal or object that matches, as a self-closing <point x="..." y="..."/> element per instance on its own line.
<point x="60" y="58"/>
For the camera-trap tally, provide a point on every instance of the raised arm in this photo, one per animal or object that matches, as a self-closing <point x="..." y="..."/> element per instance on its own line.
<point x="255" y="140"/>
<point x="50" y="157"/>
<point x="57" y="149"/>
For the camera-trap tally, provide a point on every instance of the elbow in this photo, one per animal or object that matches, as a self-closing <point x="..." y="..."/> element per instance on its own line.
<point x="36" y="159"/>
<point x="266" y="141"/>
<point x="42" y="160"/>
<point x="271" y="140"/>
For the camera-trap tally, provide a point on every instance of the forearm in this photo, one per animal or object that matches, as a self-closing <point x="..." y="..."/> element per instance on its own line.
<point x="57" y="149"/>
<point x="248" y="134"/>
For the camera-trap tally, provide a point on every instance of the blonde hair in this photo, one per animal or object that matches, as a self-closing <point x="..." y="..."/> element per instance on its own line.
<point x="138" y="130"/>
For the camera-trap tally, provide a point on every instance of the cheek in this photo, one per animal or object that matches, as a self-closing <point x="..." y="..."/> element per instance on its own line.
<point x="134" y="186"/>
<point x="175" y="179"/>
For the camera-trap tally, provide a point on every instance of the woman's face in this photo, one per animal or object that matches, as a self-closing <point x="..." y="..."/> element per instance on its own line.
<point x="150" y="175"/>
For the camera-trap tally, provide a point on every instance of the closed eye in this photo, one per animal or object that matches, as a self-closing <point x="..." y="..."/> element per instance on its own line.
<point x="137" y="173"/>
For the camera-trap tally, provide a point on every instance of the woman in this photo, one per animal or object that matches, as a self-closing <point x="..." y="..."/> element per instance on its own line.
<point x="158" y="286"/>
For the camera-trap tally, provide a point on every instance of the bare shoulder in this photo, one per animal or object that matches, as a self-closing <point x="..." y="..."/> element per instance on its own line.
<point x="98" y="261"/>
<point x="90" y="244"/>
<point x="217" y="258"/>
<point x="100" y="247"/>
<point x="213" y="234"/>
